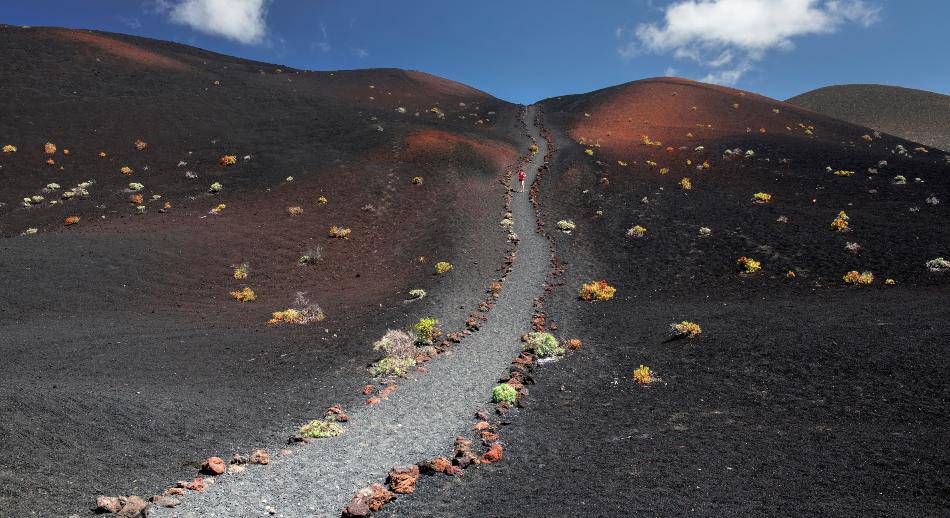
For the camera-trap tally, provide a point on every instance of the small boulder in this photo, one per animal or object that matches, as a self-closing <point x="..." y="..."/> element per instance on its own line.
<point x="259" y="457"/>
<point x="165" y="501"/>
<point x="403" y="481"/>
<point x="108" y="504"/>
<point x="368" y="389"/>
<point x="368" y="500"/>
<point x="213" y="466"/>
<point x="134" y="507"/>
<point x="198" y="484"/>
<point x="494" y="454"/>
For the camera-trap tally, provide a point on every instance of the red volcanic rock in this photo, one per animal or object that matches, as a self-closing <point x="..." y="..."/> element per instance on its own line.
<point x="172" y="491"/>
<point x="213" y="466"/>
<point x="198" y="484"/>
<point x="388" y="391"/>
<point x="165" y="501"/>
<point x="368" y="389"/>
<point x="494" y="454"/>
<point x="357" y="508"/>
<point x="373" y="401"/>
<point x="368" y="500"/>
<point x="259" y="457"/>
<point x="134" y="507"/>
<point x="481" y="425"/>
<point x="337" y="413"/>
<point x="439" y="465"/>
<point x="403" y="481"/>
<point x="108" y="504"/>
<point x="489" y="437"/>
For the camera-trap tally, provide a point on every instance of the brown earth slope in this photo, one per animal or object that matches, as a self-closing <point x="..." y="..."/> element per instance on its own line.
<point x="916" y="115"/>
<point x="126" y="361"/>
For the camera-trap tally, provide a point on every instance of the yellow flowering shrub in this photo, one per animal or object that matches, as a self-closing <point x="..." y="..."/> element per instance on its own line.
<point x="227" y="160"/>
<point x="245" y="294"/>
<point x="748" y="264"/>
<point x="295" y="211"/>
<point x="339" y="232"/>
<point x="686" y="184"/>
<point x="9" y="148"/>
<point x="858" y="278"/>
<point x="840" y="223"/>
<point x="637" y="231"/>
<point x="442" y="267"/>
<point x="643" y="375"/>
<point x="141" y="145"/>
<point x="686" y="329"/>
<point x="240" y="272"/>
<point x="597" y="290"/>
<point x="762" y="197"/>
<point x="50" y="148"/>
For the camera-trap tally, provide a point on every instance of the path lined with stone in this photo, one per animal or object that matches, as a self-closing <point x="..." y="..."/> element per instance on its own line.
<point x="419" y="421"/>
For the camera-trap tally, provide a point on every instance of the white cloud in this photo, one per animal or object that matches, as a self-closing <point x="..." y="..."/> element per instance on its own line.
<point x="670" y="72"/>
<point x="737" y="33"/>
<point x="362" y="53"/>
<point x="238" y="20"/>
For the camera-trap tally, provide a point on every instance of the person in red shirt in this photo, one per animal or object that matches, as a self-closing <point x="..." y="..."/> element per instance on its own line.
<point x="521" y="177"/>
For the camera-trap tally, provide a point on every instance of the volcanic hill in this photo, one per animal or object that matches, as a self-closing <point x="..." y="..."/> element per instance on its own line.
<point x="908" y="113"/>
<point x="804" y="247"/>
<point x="803" y="395"/>
<point x="125" y="356"/>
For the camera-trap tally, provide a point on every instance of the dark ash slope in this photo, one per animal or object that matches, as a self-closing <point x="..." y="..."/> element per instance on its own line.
<point x="803" y="397"/>
<point x="915" y="115"/>
<point x="126" y="362"/>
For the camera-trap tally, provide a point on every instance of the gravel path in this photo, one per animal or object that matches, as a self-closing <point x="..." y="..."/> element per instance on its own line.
<point x="420" y="421"/>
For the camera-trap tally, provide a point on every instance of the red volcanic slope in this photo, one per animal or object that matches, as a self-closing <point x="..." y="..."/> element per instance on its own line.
<point x="668" y="109"/>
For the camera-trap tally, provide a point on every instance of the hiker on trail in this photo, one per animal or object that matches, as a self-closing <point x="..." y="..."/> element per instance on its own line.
<point x="521" y="177"/>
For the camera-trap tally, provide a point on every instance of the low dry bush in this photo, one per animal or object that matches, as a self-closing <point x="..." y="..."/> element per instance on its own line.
<point x="245" y="294"/>
<point x="597" y="290"/>
<point x="856" y="278"/>
<point x="686" y="329"/>
<point x="749" y="265"/>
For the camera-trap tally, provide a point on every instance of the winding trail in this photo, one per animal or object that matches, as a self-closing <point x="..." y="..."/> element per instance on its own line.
<point x="420" y="421"/>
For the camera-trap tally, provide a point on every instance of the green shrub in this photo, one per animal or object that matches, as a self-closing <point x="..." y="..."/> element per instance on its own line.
<point x="427" y="330"/>
<point x="319" y="428"/>
<point x="390" y="366"/>
<point x="504" y="393"/>
<point x="543" y="345"/>
<point x="566" y="225"/>
<point x="417" y="293"/>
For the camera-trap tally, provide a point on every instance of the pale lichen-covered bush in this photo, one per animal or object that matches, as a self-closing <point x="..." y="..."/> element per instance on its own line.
<point x="543" y="345"/>
<point x="566" y="225"/>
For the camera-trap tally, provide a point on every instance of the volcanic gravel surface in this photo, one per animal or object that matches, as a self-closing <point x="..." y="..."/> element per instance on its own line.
<point x="418" y="422"/>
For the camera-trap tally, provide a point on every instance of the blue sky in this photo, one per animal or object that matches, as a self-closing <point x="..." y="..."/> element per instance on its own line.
<point x="531" y="49"/>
